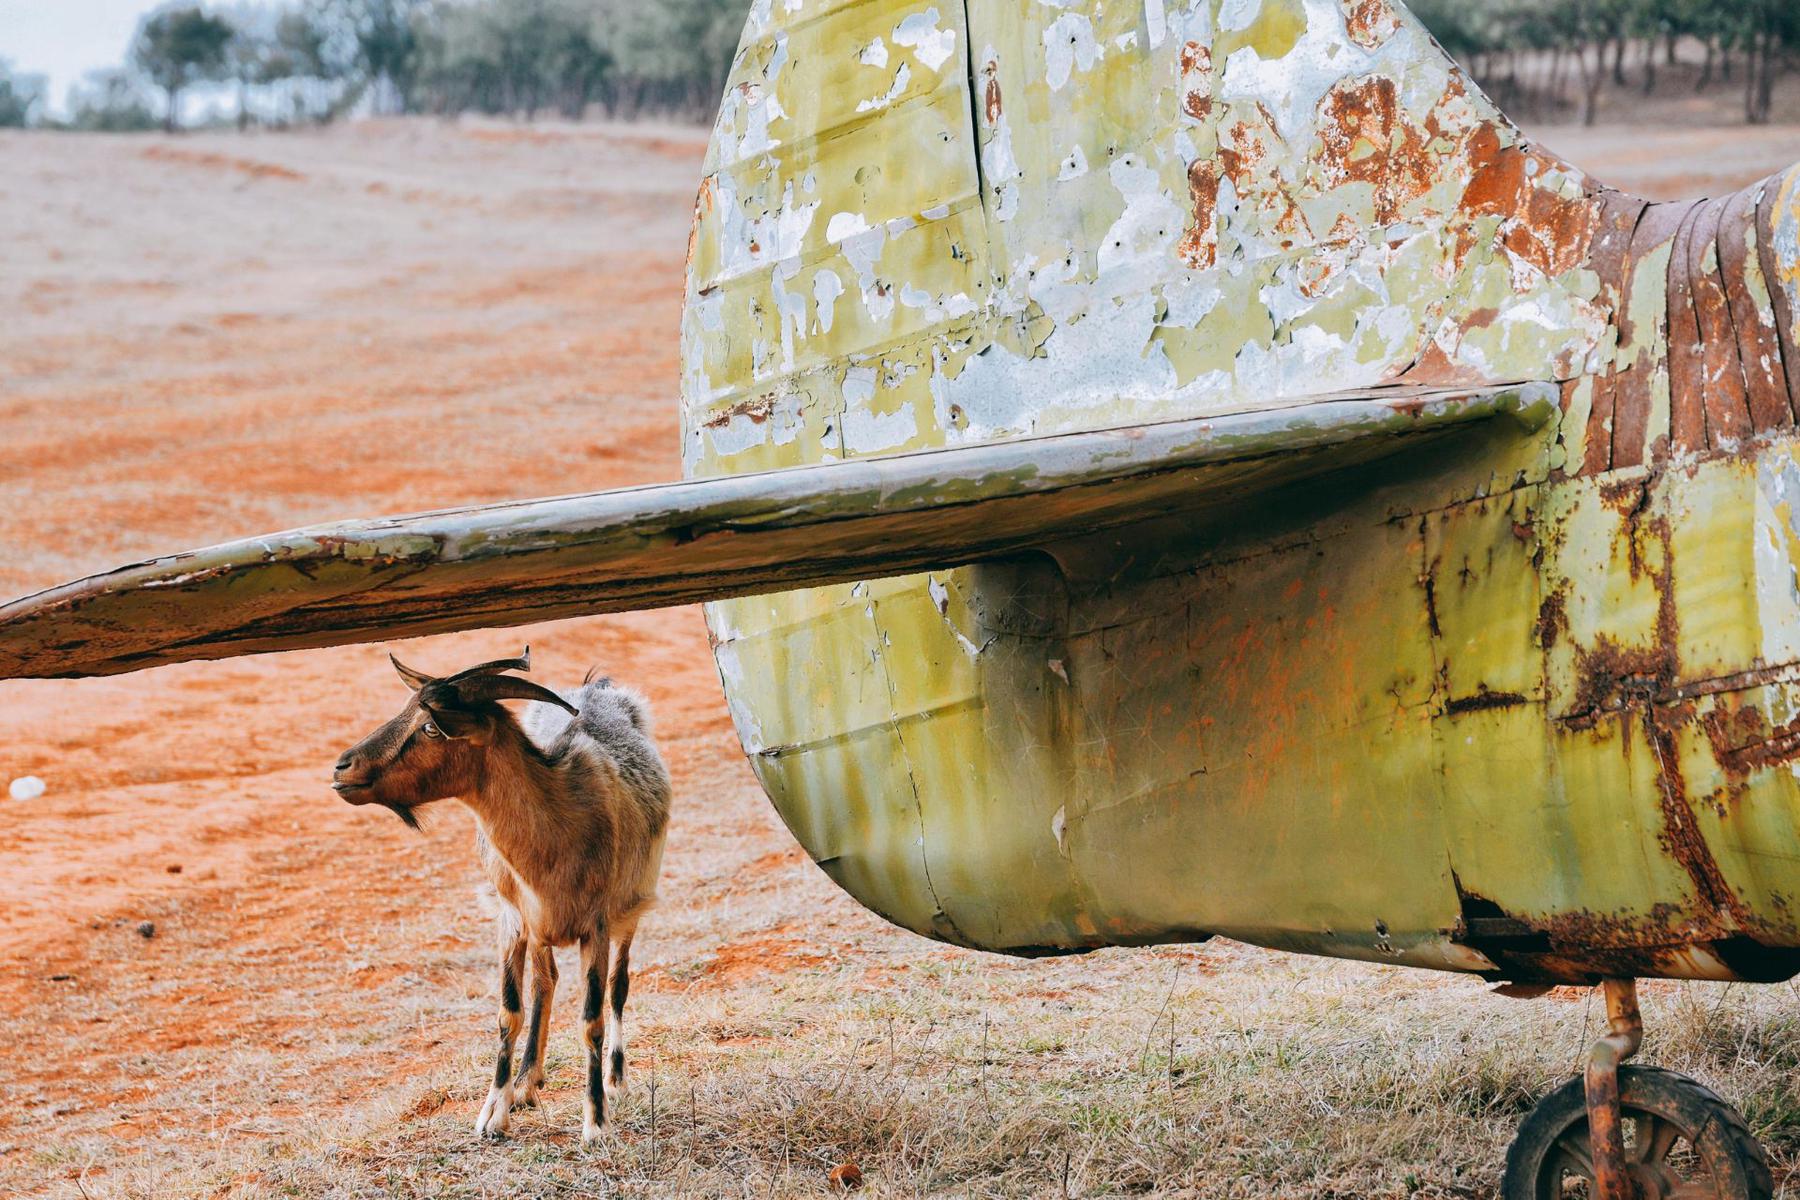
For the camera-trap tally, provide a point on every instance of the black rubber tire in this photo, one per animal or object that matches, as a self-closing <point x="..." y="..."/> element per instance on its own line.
<point x="1713" y="1130"/>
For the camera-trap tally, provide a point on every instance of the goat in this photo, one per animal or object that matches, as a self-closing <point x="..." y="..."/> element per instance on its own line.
<point x="572" y="807"/>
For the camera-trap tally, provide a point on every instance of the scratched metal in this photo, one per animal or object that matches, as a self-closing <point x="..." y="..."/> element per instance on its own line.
<point x="1521" y="698"/>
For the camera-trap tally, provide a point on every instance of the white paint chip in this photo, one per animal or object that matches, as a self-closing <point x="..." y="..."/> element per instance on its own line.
<point x="929" y="44"/>
<point x="1069" y="46"/>
<point x="827" y="287"/>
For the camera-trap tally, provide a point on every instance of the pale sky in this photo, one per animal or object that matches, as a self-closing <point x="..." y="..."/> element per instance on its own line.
<point x="65" y="39"/>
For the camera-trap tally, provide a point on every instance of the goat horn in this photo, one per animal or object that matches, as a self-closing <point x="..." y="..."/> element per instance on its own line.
<point x="414" y="679"/>
<point x="521" y="663"/>
<point x="508" y="687"/>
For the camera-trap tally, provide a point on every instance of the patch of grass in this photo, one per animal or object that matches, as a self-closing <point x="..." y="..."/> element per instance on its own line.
<point x="1290" y="1078"/>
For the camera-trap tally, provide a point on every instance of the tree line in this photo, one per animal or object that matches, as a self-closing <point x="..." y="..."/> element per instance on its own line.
<point x="292" y="62"/>
<point x="1544" y="58"/>
<point x="288" y="62"/>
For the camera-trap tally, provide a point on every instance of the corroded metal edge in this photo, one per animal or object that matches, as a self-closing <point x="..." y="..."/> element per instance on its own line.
<point x="666" y="544"/>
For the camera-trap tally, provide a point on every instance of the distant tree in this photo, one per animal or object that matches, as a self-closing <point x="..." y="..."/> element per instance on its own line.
<point x="110" y="102"/>
<point x="383" y="43"/>
<point x="252" y="57"/>
<point x="21" y="97"/>
<point x="1456" y="24"/>
<point x="1768" y="31"/>
<point x="176" y="47"/>
<point x="304" y="64"/>
<point x="672" y="54"/>
<point x="511" y="56"/>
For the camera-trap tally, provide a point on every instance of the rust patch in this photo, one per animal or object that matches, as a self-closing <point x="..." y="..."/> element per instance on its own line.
<point x="1249" y="156"/>
<point x="758" y="410"/>
<point x="991" y="94"/>
<point x="1429" y="582"/>
<point x="1610" y="678"/>
<point x="1199" y="246"/>
<point x="1681" y="835"/>
<point x="1610" y="434"/>
<point x="1743" y="745"/>
<point x="1367" y="136"/>
<point x="1553" y="616"/>
<point x="704" y="200"/>
<point x="1538" y="226"/>
<point x="1687" y="366"/>
<point x="1758" y="348"/>
<point x="1370" y="23"/>
<point x="1583" y="947"/>
<point x="1482" y="701"/>
<point x="1722" y="385"/>
<point x="1196" y="80"/>
<point x="1633" y="440"/>
<point x="1602" y="425"/>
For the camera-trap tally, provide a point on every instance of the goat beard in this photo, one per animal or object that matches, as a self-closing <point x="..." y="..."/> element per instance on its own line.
<point x="402" y="811"/>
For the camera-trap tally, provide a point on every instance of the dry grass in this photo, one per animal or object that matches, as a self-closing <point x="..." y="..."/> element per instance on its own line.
<point x="1209" y="1072"/>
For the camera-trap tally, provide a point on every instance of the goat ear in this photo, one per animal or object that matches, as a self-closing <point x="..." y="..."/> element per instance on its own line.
<point x="453" y="721"/>
<point x="414" y="679"/>
<point x="507" y="687"/>
<point x="521" y="663"/>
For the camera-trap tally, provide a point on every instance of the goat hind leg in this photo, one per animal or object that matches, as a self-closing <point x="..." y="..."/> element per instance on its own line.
<point x="593" y="1033"/>
<point x="543" y="990"/>
<point x="492" y="1120"/>
<point x="618" y="987"/>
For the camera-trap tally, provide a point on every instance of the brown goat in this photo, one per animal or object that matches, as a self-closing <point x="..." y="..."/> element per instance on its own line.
<point x="572" y="805"/>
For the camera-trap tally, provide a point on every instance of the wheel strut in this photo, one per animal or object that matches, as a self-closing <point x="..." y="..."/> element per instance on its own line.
<point x="1685" y="1140"/>
<point x="1606" y="1127"/>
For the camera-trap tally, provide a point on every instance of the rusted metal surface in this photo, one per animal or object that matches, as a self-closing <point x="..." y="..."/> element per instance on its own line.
<point x="1520" y="700"/>
<point x="1501" y="664"/>
<point x="1606" y="1125"/>
<point x="1702" y="361"/>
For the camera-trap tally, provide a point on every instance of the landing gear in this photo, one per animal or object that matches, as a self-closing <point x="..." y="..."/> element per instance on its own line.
<point x="1633" y="1133"/>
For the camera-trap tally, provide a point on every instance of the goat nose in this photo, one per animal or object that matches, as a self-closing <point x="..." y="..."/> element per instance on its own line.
<point x="344" y="760"/>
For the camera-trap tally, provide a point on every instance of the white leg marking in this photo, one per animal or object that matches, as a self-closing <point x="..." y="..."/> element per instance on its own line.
<point x="494" y="1113"/>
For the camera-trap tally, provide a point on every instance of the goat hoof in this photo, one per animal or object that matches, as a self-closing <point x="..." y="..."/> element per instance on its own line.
<point x="492" y="1121"/>
<point x="591" y="1133"/>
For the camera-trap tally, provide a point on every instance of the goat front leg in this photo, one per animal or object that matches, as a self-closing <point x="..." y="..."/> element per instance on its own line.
<point x="593" y="1033"/>
<point x="492" y="1121"/>
<point x="543" y="990"/>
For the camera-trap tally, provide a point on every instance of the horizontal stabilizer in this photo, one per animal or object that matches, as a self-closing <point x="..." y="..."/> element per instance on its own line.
<point x="708" y="539"/>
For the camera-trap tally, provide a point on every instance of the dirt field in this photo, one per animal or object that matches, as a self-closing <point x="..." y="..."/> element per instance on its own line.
<point x="219" y="980"/>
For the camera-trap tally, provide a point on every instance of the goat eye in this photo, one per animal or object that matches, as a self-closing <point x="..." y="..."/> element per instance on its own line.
<point x="432" y="731"/>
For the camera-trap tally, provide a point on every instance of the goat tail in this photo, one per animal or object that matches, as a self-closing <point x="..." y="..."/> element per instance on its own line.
<point x="599" y="692"/>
